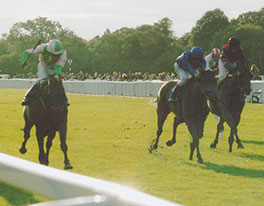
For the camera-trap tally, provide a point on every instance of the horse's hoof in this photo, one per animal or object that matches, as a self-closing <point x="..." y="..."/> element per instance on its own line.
<point x="200" y="160"/>
<point x="213" y="146"/>
<point x="152" y="147"/>
<point x="23" y="150"/>
<point x="240" y="146"/>
<point x="170" y="143"/>
<point x="44" y="162"/>
<point x="68" y="167"/>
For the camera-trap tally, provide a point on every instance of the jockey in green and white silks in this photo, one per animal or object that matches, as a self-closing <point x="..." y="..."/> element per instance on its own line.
<point x="52" y="58"/>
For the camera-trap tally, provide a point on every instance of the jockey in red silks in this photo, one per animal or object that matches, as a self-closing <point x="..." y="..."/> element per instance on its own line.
<point x="232" y="52"/>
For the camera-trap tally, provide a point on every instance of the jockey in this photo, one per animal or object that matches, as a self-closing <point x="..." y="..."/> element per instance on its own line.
<point x="187" y="65"/>
<point x="232" y="52"/>
<point x="52" y="58"/>
<point x="212" y="60"/>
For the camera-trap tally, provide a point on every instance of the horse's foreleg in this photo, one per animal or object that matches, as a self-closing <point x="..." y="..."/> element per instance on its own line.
<point x="232" y="123"/>
<point x="195" y="144"/>
<point x="231" y="140"/>
<point x="192" y="147"/>
<point x="220" y="129"/>
<point x="49" y="145"/>
<point x="239" y="144"/>
<point x="27" y="128"/>
<point x="42" y="156"/>
<point x="194" y="131"/>
<point x="176" y="122"/>
<point x="64" y="147"/>
<point x="199" y="156"/>
<point x="162" y="115"/>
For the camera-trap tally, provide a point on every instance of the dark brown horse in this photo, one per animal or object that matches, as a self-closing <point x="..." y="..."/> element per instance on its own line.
<point x="231" y="101"/>
<point x="190" y="108"/>
<point x="48" y="113"/>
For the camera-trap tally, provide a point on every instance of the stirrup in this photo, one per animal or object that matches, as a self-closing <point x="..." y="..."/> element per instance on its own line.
<point x="172" y="99"/>
<point x="25" y="102"/>
<point x="67" y="103"/>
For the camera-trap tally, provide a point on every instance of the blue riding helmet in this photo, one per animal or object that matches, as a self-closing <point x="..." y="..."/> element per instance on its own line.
<point x="197" y="53"/>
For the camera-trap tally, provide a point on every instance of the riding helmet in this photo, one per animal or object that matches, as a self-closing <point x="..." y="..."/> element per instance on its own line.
<point x="55" y="47"/>
<point x="197" y="53"/>
<point x="215" y="52"/>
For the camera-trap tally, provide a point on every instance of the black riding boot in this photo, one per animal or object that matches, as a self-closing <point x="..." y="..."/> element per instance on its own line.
<point x="31" y="93"/>
<point x="174" y="93"/>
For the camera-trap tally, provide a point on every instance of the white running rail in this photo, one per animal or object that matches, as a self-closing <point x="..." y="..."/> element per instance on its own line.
<point x="117" y="88"/>
<point x="70" y="188"/>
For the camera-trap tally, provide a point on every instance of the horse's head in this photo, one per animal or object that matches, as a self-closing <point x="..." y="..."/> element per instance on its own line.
<point x="52" y="93"/>
<point x="207" y="78"/>
<point x="243" y="77"/>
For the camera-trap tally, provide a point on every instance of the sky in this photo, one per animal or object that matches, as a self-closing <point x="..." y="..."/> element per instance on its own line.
<point x="89" y="18"/>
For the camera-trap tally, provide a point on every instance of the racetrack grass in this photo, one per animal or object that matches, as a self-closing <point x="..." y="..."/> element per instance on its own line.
<point x="108" y="138"/>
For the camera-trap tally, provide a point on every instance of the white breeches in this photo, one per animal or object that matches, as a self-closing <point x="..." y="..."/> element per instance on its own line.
<point x="43" y="72"/>
<point x="184" y="75"/>
<point x="222" y="70"/>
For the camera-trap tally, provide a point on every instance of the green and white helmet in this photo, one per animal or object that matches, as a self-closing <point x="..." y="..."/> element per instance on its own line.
<point x="55" y="47"/>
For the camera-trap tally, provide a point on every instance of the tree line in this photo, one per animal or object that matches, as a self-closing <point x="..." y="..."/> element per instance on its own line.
<point x="146" y="48"/>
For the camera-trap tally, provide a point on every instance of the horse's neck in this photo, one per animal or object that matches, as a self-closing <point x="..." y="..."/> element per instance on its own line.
<point x="230" y="87"/>
<point x="192" y="91"/>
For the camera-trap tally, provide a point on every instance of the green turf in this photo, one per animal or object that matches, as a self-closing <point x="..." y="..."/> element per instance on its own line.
<point x="108" y="138"/>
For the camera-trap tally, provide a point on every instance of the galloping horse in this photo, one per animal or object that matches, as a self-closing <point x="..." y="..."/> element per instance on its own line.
<point x="231" y="101"/>
<point x="48" y="113"/>
<point x="190" y="108"/>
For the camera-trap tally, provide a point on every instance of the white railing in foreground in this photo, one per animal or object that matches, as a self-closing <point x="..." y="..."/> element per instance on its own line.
<point x="58" y="184"/>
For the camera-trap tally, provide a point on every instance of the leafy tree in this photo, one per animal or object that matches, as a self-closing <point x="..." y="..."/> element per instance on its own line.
<point x="253" y="17"/>
<point x="203" y="33"/>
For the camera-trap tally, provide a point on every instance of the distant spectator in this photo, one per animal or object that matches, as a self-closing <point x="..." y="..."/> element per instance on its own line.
<point x="256" y="75"/>
<point x="81" y="75"/>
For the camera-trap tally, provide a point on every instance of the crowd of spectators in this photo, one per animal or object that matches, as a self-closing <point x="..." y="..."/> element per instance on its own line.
<point x="114" y="76"/>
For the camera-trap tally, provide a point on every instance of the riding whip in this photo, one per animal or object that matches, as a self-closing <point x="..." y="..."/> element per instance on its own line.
<point x="24" y="64"/>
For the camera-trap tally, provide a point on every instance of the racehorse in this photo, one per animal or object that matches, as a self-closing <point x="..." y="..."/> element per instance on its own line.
<point x="48" y="113"/>
<point x="191" y="108"/>
<point x="231" y="101"/>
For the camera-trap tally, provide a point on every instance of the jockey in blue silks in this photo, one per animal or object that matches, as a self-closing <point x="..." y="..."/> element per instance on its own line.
<point x="186" y="66"/>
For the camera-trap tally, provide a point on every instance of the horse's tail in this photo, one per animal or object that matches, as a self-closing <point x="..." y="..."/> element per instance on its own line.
<point x="154" y="101"/>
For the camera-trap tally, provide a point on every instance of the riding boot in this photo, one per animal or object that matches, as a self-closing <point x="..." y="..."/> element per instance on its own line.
<point x="31" y="93"/>
<point x="174" y="94"/>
